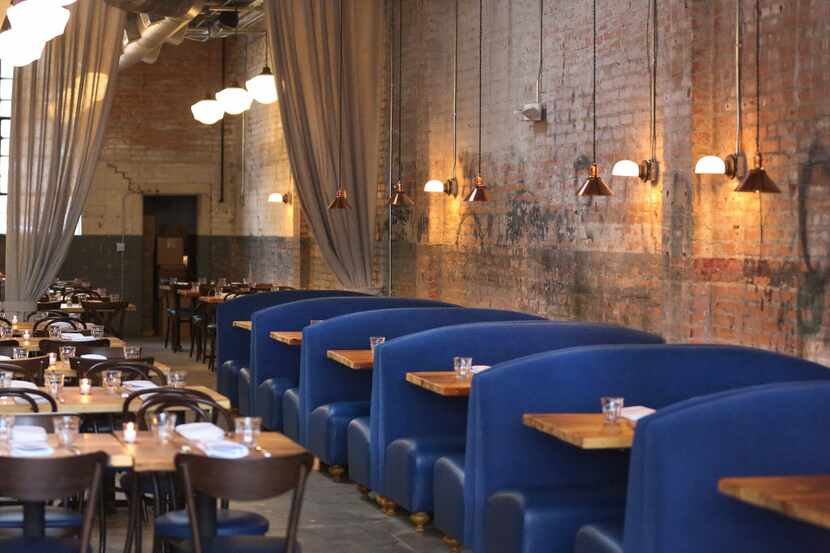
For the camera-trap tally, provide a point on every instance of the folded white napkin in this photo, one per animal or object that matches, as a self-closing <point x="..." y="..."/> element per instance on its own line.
<point x="26" y="449"/>
<point x="135" y="385"/>
<point x="224" y="449"/>
<point x="27" y="434"/>
<point x="201" y="432"/>
<point x="5" y="358"/>
<point x="94" y="356"/>
<point x="636" y="412"/>
<point x="76" y="337"/>
<point x="30" y="386"/>
<point x="63" y="325"/>
<point x="479" y="368"/>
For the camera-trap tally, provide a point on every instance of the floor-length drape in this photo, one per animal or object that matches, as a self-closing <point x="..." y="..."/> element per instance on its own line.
<point x="4" y="4"/>
<point x="60" y="106"/>
<point x="303" y="36"/>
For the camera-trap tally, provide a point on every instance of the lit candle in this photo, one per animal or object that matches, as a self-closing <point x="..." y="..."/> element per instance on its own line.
<point x="14" y="322"/>
<point x="129" y="433"/>
<point x="86" y="386"/>
<point x="53" y="358"/>
<point x="27" y="334"/>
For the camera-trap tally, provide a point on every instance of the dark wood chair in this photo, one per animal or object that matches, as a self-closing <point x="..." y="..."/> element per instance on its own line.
<point x="130" y="370"/>
<point x="251" y="479"/>
<point x="28" y="395"/>
<point x="110" y="315"/>
<point x="30" y="369"/>
<point x="201" y="408"/>
<point x="81" y="365"/>
<point x="139" y="395"/>
<point x="54" y="346"/>
<point x="35" y="481"/>
<point x="41" y="327"/>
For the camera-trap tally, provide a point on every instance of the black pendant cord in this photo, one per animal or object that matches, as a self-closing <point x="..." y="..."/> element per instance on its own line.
<point x="594" y="80"/>
<point x="480" y="77"/>
<point x="541" y="51"/>
<point x="340" y="93"/>
<point x="653" y="68"/>
<point x="739" y="42"/>
<point x="757" y="77"/>
<point x="455" y="97"/>
<point x="400" y="90"/>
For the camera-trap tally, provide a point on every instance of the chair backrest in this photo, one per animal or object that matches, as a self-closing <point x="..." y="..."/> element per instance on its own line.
<point x="202" y="409"/>
<point x="9" y="344"/>
<point x="81" y="365"/>
<point x="30" y="369"/>
<point x="572" y="381"/>
<point x="48" y="305"/>
<point x="255" y="479"/>
<point x="109" y="314"/>
<point x="54" y="346"/>
<point x="130" y="370"/>
<point x="29" y="395"/>
<point x="44" y="324"/>
<point x="37" y="480"/>
<point x="139" y="395"/>
<point x="681" y="452"/>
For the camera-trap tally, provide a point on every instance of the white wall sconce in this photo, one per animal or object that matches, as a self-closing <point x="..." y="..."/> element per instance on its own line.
<point x="279" y="198"/>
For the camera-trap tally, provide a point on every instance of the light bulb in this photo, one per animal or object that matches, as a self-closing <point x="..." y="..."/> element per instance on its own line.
<point x="44" y="19"/>
<point x="263" y="87"/>
<point x="65" y="2"/>
<point x="275" y="198"/>
<point x="626" y="168"/>
<point x="434" y="185"/>
<point x="234" y="99"/>
<point x="207" y="111"/>
<point x="710" y="165"/>
<point x="18" y="48"/>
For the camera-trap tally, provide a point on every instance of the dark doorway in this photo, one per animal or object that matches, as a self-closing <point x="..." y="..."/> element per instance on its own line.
<point x="170" y="227"/>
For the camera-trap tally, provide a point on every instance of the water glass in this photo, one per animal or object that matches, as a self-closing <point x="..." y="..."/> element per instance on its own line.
<point x="67" y="352"/>
<point x="247" y="429"/>
<point x="462" y="366"/>
<point x="5" y="331"/>
<point x="176" y="378"/>
<point x="54" y="331"/>
<point x="163" y="425"/>
<point x="53" y="359"/>
<point x="6" y="425"/>
<point x="97" y="331"/>
<point x="6" y="379"/>
<point x="132" y="352"/>
<point x="67" y="429"/>
<point x="54" y="382"/>
<point x="375" y="341"/>
<point x="314" y="321"/>
<point x="611" y="408"/>
<point x="19" y="353"/>
<point x="112" y="381"/>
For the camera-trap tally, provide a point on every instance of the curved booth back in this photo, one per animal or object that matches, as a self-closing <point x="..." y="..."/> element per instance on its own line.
<point x="572" y="381"/>
<point x="681" y="453"/>
<point x="322" y="381"/>
<point x="402" y="410"/>
<point x="271" y="359"/>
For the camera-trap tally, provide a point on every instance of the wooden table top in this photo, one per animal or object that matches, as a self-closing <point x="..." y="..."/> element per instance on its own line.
<point x="212" y="299"/>
<point x="584" y="430"/>
<point x="33" y="344"/>
<point x="89" y="443"/>
<point x="443" y="383"/>
<point x="291" y="338"/>
<point x="98" y="401"/>
<point x="358" y="359"/>
<point x="63" y="366"/>
<point x="244" y="325"/>
<point x="78" y="308"/>
<point x="150" y="455"/>
<point x="804" y="498"/>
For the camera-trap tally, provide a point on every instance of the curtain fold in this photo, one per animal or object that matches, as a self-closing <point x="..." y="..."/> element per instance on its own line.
<point x="60" y="107"/>
<point x="303" y="36"/>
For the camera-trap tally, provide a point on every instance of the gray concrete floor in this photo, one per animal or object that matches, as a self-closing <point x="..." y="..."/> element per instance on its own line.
<point x="335" y="517"/>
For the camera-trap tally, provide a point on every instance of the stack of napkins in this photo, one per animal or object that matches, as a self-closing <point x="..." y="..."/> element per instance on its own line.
<point x="76" y="337"/>
<point x="200" y="432"/>
<point x="30" y="386"/>
<point x="136" y="385"/>
<point x="96" y="356"/>
<point x="636" y="412"/>
<point x="30" y="441"/>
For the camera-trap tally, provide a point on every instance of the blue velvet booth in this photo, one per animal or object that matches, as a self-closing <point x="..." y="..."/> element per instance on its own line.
<point x="269" y="388"/>
<point x="333" y="395"/>
<point x="681" y="452"/>
<point x="234" y="344"/>
<point x="537" y="497"/>
<point x="412" y="427"/>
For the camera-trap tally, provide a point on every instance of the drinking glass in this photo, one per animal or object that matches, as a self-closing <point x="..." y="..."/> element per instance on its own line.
<point x="375" y="341"/>
<point x="53" y="358"/>
<point x="54" y="331"/>
<point x="132" y="352"/>
<point x="6" y="425"/>
<point x="176" y="378"/>
<point x="97" y="331"/>
<point x="6" y="382"/>
<point x="247" y="429"/>
<point x="54" y="383"/>
<point x="67" y="429"/>
<point x="5" y="331"/>
<point x="611" y="408"/>
<point x="462" y="367"/>
<point x="163" y="425"/>
<point x="27" y="335"/>
<point x="112" y="381"/>
<point x="67" y="352"/>
<point x="19" y="353"/>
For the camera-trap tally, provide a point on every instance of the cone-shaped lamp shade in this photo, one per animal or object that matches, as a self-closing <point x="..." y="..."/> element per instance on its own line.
<point x="757" y="180"/>
<point x="263" y="87"/>
<point x="626" y="168"/>
<point x="400" y="198"/>
<point x="18" y="49"/>
<point x="479" y="192"/>
<point x="434" y="185"/>
<point x="710" y="165"/>
<point x="207" y="111"/>
<point x="341" y="200"/>
<point x="44" y="19"/>
<point x="594" y="185"/>
<point x="234" y="99"/>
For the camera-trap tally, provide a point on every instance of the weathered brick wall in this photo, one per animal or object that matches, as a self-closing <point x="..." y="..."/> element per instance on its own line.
<point x="688" y="257"/>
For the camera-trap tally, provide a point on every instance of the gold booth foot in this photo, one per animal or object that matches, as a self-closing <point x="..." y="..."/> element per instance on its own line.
<point x="337" y="472"/>
<point x="453" y="544"/>
<point x="389" y="507"/>
<point x="363" y="489"/>
<point x="419" y="520"/>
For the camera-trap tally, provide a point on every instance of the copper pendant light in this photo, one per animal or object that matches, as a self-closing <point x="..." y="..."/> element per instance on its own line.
<point x="399" y="197"/>
<point x="757" y="180"/>
<point x="594" y="185"/>
<point x="478" y="193"/>
<point x="341" y="197"/>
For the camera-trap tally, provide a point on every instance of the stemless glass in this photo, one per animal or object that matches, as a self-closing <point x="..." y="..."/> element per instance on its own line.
<point x="163" y="425"/>
<point x="67" y="429"/>
<point x="132" y="352"/>
<point x="5" y="331"/>
<point x="6" y="425"/>
<point x="67" y="352"/>
<point x="19" y="353"/>
<point x="611" y="408"/>
<point x="112" y="381"/>
<point x="54" y="382"/>
<point x="176" y="378"/>
<point x="462" y="367"/>
<point x="247" y="429"/>
<point x="375" y="341"/>
<point x="97" y="331"/>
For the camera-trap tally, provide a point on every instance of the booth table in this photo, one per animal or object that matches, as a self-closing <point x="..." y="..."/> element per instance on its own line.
<point x="583" y="430"/>
<point x="244" y="325"/>
<point x="291" y="338"/>
<point x="358" y="359"/>
<point x="443" y="383"/>
<point x="804" y="498"/>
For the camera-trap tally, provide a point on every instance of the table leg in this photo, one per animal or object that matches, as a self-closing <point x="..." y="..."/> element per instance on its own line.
<point x="34" y="519"/>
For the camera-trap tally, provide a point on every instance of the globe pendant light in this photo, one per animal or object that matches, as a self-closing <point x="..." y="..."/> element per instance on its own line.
<point x="594" y="185"/>
<point x="479" y="193"/>
<point x="757" y="179"/>
<point x="341" y="197"/>
<point x="18" y="49"/>
<point x="399" y="197"/>
<point x="207" y="111"/>
<point x="263" y="87"/>
<point x="40" y="19"/>
<point x="234" y="99"/>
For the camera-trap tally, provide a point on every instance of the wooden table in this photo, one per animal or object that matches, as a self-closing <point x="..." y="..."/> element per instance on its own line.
<point x="584" y="430"/>
<point x="443" y="383"/>
<point x="244" y="325"/>
<point x="291" y="338"/>
<point x="63" y="367"/>
<point x="804" y="498"/>
<point x="212" y="299"/>
<point x="149" y="455"/>
<point x="120" y="457"/>
<point x="33" y="344"/>
<point x="78" y="308"/>
<point x="358" y="359"/>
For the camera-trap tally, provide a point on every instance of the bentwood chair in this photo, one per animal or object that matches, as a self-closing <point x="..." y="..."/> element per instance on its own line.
<point x="54" y="346"/>
<point x="81" y="365"/>
<point x="41" y="327"/>
<point x="130" y="370"/>
<point x="30" y="369"/>
<point x="34" y="481"/>
<point x="29" y="395"/>
<point x="250" y="479"/>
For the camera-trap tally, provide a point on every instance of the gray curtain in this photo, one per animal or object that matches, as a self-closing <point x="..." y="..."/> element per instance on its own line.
<point x="303" y="36"/>
<point x="4" y="4"/>
<point x="60" y="107"/>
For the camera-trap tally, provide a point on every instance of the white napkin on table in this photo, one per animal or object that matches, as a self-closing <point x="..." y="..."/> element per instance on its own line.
<point x="136" y="385"/>
<point x="63" y="325"/>
<point x="76" y="337"/>
<point x="30" y="386"/>
<point x="224" y="449"/>
<point x="31" y="450"/>
<point x="636" y="412"/>
<point x="28" y="434"/>
<point x="201" y="432"/>
<point x="94" y="356"/>
<point x="5" y="358"/>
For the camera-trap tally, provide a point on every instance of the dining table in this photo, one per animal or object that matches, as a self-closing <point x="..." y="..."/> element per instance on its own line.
<point x="244" y="325"/>
<point x="65" y="368"/>
<point x="801" y="497"/>
<point x="443" y="383"/>
<point x="33" y="344"/>
<point x="288" y="337"/>
<point x="357" y="359"/>
<point x="583" y="430"/>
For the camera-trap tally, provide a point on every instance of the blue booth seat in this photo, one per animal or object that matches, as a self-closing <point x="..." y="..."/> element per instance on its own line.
<point x="412" y="428"/>
<point x="332" y="395"/>
<point x="234" y="344"/>
<point x="275" y="367"/>
<point x="539" y="495"/>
